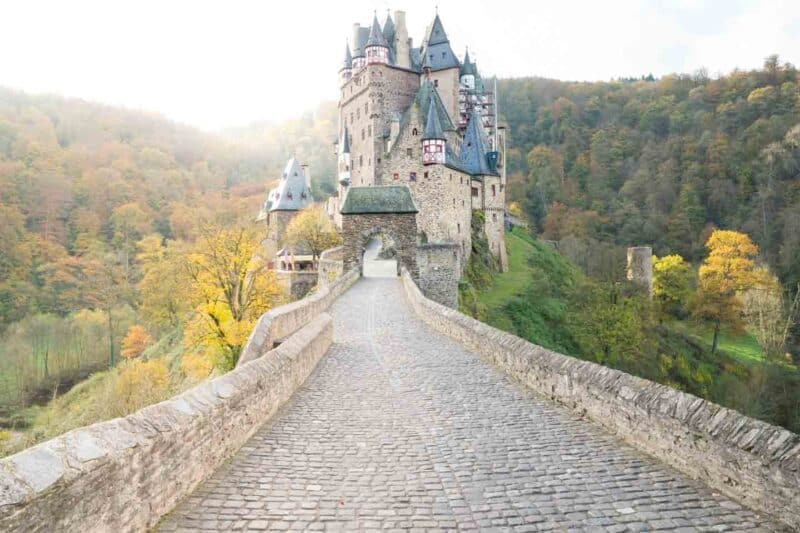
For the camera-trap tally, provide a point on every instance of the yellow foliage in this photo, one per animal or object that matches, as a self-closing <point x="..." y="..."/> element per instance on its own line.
<point x="197" y="366"/>
<point x="141" y="383"/>
<point x="312" y="228"/>
<point x="514" y="209"/>
<point x="135" y="342"/>
<point x="230" y="288"/>
<point x="730" y="265"/>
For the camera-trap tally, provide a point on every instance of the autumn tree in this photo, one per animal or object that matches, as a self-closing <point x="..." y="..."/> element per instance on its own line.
<point x="671" y="283"/>
<point x="767" y="314"/>
<point x="728" y="269"/>
<point x="164" y="287"/>
<point x="230" y="287"/>
<point x="135" y="342"/>
<point x="312" y="228"/>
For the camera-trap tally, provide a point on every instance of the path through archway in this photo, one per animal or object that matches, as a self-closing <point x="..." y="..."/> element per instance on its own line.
<point x="378" y="261"/>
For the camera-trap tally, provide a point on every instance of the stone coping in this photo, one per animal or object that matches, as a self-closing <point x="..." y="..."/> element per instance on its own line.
<point x="124" y="474"/>
<point x="749" y="460"/>
<point x="280" y="322"/>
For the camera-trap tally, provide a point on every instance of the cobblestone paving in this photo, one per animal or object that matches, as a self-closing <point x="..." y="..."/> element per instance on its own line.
<point x="399" y="428"/>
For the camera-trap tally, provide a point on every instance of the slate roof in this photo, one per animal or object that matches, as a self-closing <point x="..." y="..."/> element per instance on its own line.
<point x="291" y="194"/>
<point x="433" y="128"/>
<point x="344" y="147"/>
<point x="348" y="58"/>
<point x="389" y="30"/>
<point x="475" y="147"/>
<point x="467" y="67"/>
<point x="376" y="37"/>
<point x="437" y="49"/>
<point x="375" y="200"/>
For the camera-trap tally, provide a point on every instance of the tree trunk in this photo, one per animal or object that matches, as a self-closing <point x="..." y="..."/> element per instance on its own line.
<point x="716" y="338"/>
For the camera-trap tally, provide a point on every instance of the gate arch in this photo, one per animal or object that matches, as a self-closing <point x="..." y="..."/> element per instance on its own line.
<point x="386" y="210"/>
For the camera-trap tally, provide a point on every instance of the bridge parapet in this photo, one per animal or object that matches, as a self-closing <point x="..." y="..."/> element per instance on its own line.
<point x="277" y="324"/>
<point x="124" y="474"/>
<point x="749" y="460"/>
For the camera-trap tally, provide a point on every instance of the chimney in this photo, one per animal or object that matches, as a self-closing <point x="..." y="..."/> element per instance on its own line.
<point x="402" y="44"/>
<point x="307" y="174"/>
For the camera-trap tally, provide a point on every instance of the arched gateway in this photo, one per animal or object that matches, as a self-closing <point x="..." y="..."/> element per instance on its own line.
<point x="388" y="211"/>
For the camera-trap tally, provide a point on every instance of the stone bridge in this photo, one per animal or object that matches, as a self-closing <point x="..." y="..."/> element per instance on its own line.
<point x="382" y="410"/>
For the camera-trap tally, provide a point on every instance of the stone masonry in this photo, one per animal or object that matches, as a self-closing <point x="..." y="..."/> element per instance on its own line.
<point x="358" y="229"/>
<point x="401" y="428"/>
<point x="439" y="272"/>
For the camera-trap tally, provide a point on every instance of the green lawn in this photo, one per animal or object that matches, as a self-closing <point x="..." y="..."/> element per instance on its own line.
<point x="743" y="347"/>
<point x="509" y="284"/>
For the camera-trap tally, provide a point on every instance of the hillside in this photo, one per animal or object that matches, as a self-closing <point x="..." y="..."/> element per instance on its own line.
<point x="547" y="300"/>
<point x="660" y="162"/>
<point x="103" y="212"/>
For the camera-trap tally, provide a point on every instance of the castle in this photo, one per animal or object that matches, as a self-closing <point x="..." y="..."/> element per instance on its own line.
<point x="420" y="117"/>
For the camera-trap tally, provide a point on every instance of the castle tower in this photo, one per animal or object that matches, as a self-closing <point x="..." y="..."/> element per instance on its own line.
<point x="468" y="73"/>
<point x="360" y="36"/>
<point x="346" y="72"/>
<point x="433" y="140"/>
<point x="444" y="66"/>
<point x="377" y="48"/>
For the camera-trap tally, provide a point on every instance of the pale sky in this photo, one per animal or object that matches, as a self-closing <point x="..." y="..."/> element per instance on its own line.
<point x="217" y="64"/>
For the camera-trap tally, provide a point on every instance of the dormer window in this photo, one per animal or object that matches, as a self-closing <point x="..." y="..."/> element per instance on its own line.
<point x="289" y="195"/>
<point x="303" y="195"/>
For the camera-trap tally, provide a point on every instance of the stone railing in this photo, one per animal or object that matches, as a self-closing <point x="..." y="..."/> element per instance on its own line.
<point x="124" y="474"/>
<point x="277" y="324"/>
<point x="331" y="266"/>
<point x="751" y="461"/>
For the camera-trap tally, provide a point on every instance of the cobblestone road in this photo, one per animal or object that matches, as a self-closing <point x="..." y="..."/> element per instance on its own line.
<point x="400" y="428"/>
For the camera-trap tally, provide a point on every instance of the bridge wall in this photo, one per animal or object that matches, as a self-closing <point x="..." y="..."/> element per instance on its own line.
<point x="124" y="474"/>
<point x="277" y="324"/>
<point x="749" y="460"/>
<point x="331" y="266"/>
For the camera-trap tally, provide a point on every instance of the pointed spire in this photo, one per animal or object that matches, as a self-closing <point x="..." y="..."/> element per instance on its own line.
<point x="467" y="67"/>
<point x="433" y="128"/>
<point x="437" y="35"/>
<point x="348" y="58"/>
<point x="475" y="148"/>
<point x="376" y="37"/>
<point x="389" y="28"/>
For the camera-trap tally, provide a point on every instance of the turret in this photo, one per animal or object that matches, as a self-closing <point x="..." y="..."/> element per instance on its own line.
<point x="344" y="159"/>
<point x="377" y="48"/>
<point x="346" y="72"/>
<point x="359" y="40"/>
<point x="467" y="73"/>
<point x="433" y="140"/>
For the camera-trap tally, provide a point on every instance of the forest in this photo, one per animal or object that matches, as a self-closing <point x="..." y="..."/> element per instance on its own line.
<point x="707" y="172"/>
<point x="112" y="223"/>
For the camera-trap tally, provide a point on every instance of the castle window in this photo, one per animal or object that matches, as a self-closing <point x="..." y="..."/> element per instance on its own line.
<point x="412" y="176"/>
<point x="444" y="54"/>
<point x="379" y="160"/>
<point x="451" y="177"/>
<point x="462" y="203"/>
<point x="475" y="191"/>
<point x="494" y="217"/>
<point x="361" y="161"/>
<point x="439" y="148"/>
<point x="425" y="174"/>
<point x="362" y="134"/>
<point x="369" y="131"/>
<point x="414" y="132"/>
<point x="435" y="83"/>
<point x="395" y="176"/>
<point x="454" y="201"/>
<point x="461" y="180"/>
<point x="459" y="227"/>
<point x="409" y="153"/>
<point x="494" y="192"/>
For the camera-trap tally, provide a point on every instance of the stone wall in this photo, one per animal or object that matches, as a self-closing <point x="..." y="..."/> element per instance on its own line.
<point x="296" y="283"/>
<point x="358" y="229"/>
<point x="128" y="472"/>
<point x="331" y="266"/>
<point x="439" y="272"/>
<point x="749" y="460"/>
<point x="277" y="324"/>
